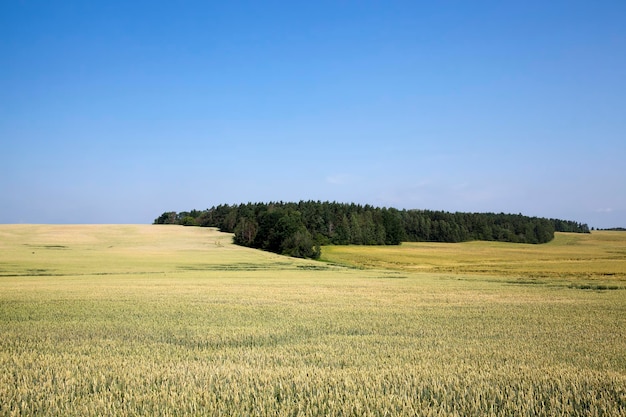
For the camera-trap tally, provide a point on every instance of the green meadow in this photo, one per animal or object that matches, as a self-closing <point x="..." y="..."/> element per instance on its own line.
<point x="134" y="320"/>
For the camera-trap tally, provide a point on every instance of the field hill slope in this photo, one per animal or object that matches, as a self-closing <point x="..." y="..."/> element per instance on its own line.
<point x="99" y="250"/>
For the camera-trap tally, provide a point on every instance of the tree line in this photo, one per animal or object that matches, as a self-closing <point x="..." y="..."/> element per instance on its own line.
<point x="299" y="229"/>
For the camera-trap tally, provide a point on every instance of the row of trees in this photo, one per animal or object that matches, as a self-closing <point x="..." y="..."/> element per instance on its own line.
<point x="299" y="229"/>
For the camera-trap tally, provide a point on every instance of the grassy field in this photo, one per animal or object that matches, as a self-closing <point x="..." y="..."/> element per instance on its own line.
<point x="595" y="260"/>
<point x="167" y="320"/>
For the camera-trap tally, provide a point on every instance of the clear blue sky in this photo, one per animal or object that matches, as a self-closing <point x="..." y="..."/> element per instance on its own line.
<point x="114" y="112"/>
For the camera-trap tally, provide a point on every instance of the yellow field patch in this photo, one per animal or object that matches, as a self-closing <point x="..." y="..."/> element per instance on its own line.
<point x="577" y="259"/>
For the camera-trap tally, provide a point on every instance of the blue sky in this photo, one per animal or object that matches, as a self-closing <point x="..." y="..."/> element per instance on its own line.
<point x="114" y="112"/>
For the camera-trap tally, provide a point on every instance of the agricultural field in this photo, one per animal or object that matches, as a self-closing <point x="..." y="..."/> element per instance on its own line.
<point x="587" y="261"/>
<point x="129" y="320"/>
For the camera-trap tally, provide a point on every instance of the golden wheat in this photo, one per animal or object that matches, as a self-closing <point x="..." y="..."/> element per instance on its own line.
<point x="150" y="320"/>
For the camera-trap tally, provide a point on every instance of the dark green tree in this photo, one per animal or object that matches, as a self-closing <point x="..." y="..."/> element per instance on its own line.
<point x="245" y="232"/>
<point x="297" y="229"/>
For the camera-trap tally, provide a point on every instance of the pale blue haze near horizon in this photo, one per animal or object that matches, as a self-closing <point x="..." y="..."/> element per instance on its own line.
<point x="115" y="112"/>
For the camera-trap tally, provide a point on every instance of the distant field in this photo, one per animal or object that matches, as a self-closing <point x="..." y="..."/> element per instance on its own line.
<point x="588" y="260"/>
<point x="126" y="320"/>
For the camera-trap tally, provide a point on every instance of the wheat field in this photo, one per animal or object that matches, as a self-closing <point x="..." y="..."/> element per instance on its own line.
<point x="596" y="260"/>
<point x="130" y="320"/>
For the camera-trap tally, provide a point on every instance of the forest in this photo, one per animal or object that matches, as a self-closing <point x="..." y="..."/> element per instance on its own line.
<point x="300" y="229"/>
